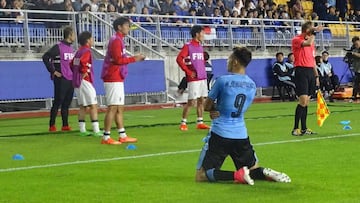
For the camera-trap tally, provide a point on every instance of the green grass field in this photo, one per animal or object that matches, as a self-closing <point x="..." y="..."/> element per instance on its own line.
<point x="64" y="167"/>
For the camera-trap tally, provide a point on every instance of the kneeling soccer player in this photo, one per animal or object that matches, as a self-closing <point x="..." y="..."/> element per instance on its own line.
<point x="228" y="135"/>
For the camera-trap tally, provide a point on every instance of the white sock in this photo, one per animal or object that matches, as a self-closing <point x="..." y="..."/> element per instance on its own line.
<point x="200" y="120"/>
<point x="183" y="121"/>
<point x="106" y="135"/>
<point x="82" y="126"/>
<point x="122" y="132"/>
<point x="95" y="126"/>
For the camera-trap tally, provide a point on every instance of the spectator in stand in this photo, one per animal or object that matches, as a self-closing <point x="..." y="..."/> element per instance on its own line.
<point x="286" y="24"/>
<point x="238" y="5"/>
<point x="229" y="4"/>
<point x="133" y="17"/>
<point x="4" y="5"/>
<point x="127" y="6"/>
<point x="261" y="8"/>
<point x="209" y="8"/>
<point x="269" y="17"/>
<point x="320" y="8"/>
<point x="201" y="8"/>
<point x="140" y="4"/>
<point x="341" y="6"/>
<point x="332" y="15"/>
<point x="217" y="17"/>
<point x="182" y="6"/>
<point x="226" y="15"/>
<point x="167" y="6"/>
<point x="331" y="3"/>
<point x="19" y="15"/>
<point x="102" y="8"/>
<point x="235" y="15"/>
<point x="94" y="5"/>
<point x="297" y="7"/>
<point x="249" y="5"/>
<point x="111" y="8"/>
<point x="192" y="21"/>
<point x="245" y="20"/>
<point x="77" y="5"/>
<point x="357" y="15"/>
<point x="277" y="24"/>
<point x="84" y="17"/>
<point x="221" y="6"/>
<point x="148" y="19"/>
<point x="351" y="16"/>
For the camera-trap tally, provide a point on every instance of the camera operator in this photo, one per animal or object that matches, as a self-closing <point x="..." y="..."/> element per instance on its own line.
<point x="355" y="59"/>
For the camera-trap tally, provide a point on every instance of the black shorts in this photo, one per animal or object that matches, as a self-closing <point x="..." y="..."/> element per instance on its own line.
<point x="304" y="81"/>
<point x="240" y="150"/>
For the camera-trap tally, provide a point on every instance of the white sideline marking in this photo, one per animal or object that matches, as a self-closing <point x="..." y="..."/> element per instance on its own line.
<point x="165" y="153"/>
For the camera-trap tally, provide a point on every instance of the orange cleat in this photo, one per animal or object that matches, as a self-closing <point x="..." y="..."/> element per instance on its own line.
<point x="183" y="127"/>
<point x="110" y="141"/>
<point x="66" y="128"/>
<point x="127" y="139"/>
<point x="202" y="126"/>
<point x="52" y="128"/>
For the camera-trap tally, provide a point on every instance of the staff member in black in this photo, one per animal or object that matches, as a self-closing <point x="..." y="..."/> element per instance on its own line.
<point x="57" y="61"/>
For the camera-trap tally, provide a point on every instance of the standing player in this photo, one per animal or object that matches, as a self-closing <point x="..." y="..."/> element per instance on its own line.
<point x="306" y="75"/>
<point x="191" y="61"/>
<point x="228" y="136"/>
<point x="57" y="61"/>
<point x="113" y="74"/>
<point x="83" y="80"/>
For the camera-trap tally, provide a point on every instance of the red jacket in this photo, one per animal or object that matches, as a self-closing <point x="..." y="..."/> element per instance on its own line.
<point x="118" y="57"/>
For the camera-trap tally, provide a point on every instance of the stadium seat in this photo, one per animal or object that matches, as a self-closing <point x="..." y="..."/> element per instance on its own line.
<point x="17" y="33"/>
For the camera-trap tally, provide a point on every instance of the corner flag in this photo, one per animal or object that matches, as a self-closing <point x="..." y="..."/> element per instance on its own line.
<point x="322" y="111"/>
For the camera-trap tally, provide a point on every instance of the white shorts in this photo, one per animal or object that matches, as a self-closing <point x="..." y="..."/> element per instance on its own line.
<point x="114" y="93"/>
<point x="197" y="89"/>
<point x="86" y="94"/>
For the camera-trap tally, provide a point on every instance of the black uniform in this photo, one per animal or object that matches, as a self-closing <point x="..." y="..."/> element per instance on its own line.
<point x="63" y="89"/>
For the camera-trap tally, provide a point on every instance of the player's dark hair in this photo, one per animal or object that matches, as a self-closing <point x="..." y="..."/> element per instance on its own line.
<point x="242" y="55"/>
<point x="206" y="55"/>
<point x="67" y="31"/>
<point x="354" y="39"/>
<point x="290" y="54"/>
<point x="306" y="26"/>
<point x="195" y="29"/>
<point x="325" y="52"/>
<point x="84" y="37"/>
<point x="317" y="59"/>
<point x="120" y="21"/>
<point x="279" y="53"/>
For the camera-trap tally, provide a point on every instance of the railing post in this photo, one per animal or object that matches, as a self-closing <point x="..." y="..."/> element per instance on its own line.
<point x="73" y="18"/>
<point x="231" y="35"/>
<point x="158" y="30"/>
<point x="263" y="46"/>
<point x="26" y="32"/>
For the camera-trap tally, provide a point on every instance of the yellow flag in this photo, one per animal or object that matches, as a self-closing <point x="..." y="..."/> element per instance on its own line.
<point x="322" y="110"/>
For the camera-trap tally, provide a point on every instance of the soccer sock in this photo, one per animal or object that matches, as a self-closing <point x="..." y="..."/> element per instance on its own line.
<point x="95" y="126"/>
<point x="298" y="115"/>
<point x="122" y="132"/>
<point x="303" y="118"/>
<point x="214" y="175"/>
<point x="200" y="120"/>
<point x="82" y="126"/>
<point x="183" y="121"/>
<point x="106" y="135"/>
<point x="257" y="174"/>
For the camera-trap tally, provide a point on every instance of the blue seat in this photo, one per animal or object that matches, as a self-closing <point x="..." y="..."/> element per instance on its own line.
<point x="17" y="32"/>
<point x="4" y="32"/>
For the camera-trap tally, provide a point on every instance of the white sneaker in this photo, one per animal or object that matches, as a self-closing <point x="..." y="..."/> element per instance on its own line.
<point x="243" y="176"/>
<point x="276" y="176"/>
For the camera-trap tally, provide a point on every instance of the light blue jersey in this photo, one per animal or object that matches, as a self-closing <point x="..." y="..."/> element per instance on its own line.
<point x="233" y="95"/>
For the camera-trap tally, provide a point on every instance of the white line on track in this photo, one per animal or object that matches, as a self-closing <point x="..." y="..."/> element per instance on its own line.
<point x="166" y="153"/>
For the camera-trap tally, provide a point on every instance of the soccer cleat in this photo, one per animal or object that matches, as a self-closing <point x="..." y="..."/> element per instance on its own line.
<point x="127" y="139"/>
<point x="202" y="126"/>
<point x="66" y="128"/>
<point x="183" y="127"/>
<point x="85" y="134"/>
<point x="296" y="132"/>
<point x="110" y="142"/>
<point x="308" y="131"/>
<point x="98" y="134"/>
<point x="243" y="176"/>
<point x="276" y="176"/>
<point x="52" y="128"/>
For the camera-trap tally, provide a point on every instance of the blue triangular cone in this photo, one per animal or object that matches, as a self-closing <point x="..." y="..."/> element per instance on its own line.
<point x="131" y="147"/>
<point x="18" y="157"/>
<point x="347" y="127"/>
